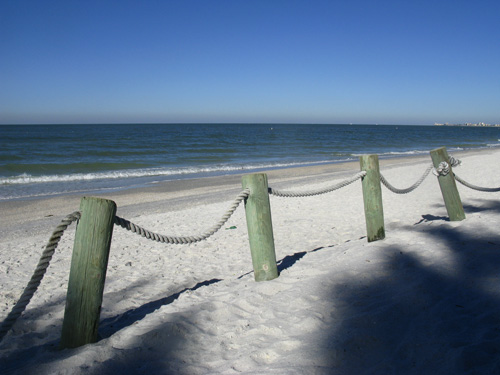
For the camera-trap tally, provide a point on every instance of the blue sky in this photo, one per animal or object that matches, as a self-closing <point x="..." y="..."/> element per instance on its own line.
<point x="390" y="62"/>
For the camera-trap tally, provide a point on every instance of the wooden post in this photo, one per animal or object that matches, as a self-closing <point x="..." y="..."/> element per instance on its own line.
<point x="260" y="227"/>
<point x="88" y="272"/>
<point x="448" y="186"/>
<point x="372" y="197"/>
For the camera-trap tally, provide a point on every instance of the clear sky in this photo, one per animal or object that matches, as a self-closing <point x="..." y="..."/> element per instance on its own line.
<point x="390" y="62"/>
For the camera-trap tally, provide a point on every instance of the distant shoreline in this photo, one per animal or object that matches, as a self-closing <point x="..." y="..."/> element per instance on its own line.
<point x="479" y="124"/>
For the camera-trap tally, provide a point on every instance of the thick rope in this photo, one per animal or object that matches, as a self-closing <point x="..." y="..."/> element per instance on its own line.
<point x="408" y="189"/>
<point x="186" y="239"/>
<point x="291" y="194"/>
<point x="37" y="277"/>
<point x="474" y="187"/>
<point x="455" y="163"/>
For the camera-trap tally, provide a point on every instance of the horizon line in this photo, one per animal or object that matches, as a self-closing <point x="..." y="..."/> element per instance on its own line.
<point x="208" y="123"/>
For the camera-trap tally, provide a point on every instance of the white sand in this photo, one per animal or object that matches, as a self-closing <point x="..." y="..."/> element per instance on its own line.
<point x="426" y="300"/>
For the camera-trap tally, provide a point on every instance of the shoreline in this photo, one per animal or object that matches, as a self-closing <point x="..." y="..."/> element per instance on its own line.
<point x="37" y="215"/>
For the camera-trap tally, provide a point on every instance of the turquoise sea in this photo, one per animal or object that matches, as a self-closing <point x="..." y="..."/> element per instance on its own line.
<point x="45" y="160"/>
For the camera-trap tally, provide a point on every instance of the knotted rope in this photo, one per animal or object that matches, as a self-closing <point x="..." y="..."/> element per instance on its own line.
<point x="443" y="168"/>
<point x="37" y="277"/>
<point x="291" y="194"/>
<point x="408" y="189"/>
<point x="455" y="162"/>
<point x="186" y="239"/>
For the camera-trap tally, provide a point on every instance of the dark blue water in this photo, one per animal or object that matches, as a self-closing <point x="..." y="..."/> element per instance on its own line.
<point x="40" y="160"/>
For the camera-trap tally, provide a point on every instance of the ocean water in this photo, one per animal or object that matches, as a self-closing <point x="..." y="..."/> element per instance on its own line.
<point x="45" y="160"/>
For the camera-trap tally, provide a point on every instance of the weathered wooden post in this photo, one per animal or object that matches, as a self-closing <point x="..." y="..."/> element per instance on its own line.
<point x="260" y="227"/>
<point x="372" y="197"/>
<point x="88" y="272"/>
<point x="448" y="186"/>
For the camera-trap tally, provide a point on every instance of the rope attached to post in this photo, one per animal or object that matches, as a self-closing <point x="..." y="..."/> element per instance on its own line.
<point x="124" y="223"/>
<point x="444" y="168"/>
<point x="37" y="277"/>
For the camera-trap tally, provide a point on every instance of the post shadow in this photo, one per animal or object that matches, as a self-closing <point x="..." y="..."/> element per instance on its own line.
<point x="111" y="325"/>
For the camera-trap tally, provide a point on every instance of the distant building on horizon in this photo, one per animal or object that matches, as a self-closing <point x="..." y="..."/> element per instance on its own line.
<point x="467" y="124"/>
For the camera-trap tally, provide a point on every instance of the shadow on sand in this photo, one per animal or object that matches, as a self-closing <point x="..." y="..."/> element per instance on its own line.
<point x="111" y="325"/>
<point x="26" y="361"/>
<point x="418" y="318"/>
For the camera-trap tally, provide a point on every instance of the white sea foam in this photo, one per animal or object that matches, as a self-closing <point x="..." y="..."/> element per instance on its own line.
<point x="150" y="172"/>
<point x="398" y="153"/>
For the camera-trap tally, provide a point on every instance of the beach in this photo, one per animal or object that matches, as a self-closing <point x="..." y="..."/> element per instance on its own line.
<point x="423" y="300"/>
